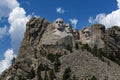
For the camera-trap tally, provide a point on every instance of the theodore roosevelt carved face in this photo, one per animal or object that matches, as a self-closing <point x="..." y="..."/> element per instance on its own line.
<point x="87" y="33"/>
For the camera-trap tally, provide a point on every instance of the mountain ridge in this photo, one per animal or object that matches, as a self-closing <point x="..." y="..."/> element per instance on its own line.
<point x="51" y="48"/>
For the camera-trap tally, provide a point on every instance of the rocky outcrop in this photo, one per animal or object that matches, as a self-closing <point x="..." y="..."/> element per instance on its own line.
<point x="49" y="48"/>
<point x="108" y="40"/>
<point x="41" y="38"/>
<point x="41" y="33"/>
<point x="112" y="40"/>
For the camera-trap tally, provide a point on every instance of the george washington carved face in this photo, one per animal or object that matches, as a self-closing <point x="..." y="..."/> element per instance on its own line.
<point x="59" y="23"/>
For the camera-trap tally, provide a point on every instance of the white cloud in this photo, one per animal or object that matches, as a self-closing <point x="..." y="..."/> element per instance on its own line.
<point x="60" y="10"/>
<point x="17" y="19"/>
<point x="99" y="17"/>
<point x="4" y="64"/>
<point x="74" y="22"/>
<point x="3" y="32"/>
<point x="6" y="7"/>
<point x="111" y="19"/>
<point x="118" y="3"/>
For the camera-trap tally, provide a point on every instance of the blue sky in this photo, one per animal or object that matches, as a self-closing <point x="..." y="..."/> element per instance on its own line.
<point x="15" y="13"/>
<point x="80" y="9"/>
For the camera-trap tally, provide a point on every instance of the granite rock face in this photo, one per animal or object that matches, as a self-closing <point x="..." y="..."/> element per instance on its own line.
<point x="55" y="46"/>
<point x="41" y="38"/>
<point x="93" y="35"/>
<point x="112" y="42"/>
<point x="108" y="40"/>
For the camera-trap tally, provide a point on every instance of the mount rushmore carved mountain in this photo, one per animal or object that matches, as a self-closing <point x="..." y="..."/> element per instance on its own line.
<point x="56" y="51"/>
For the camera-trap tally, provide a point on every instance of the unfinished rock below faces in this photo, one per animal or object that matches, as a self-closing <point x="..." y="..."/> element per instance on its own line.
<point x="93" y="35"/>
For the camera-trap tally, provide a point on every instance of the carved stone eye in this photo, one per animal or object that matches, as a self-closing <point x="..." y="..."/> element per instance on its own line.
<point x="67" y="26"/>
<point x="59" y="21"/>
<point x="87" y="32"/>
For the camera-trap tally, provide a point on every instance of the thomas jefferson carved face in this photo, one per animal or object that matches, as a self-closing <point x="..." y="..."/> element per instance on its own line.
<point x="67" y="28"/>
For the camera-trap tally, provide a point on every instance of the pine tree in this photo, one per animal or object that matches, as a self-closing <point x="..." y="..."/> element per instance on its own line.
<point x="75" y="78"/>
<point x="41" y="67"/>
<point x="66" y="74"/>
<point x="51" y="57"/>
<point x="69" y="48"/>
<point x="57" y="55"/>
<point x="99" y="53"/>
<point x="46" y="76"/>
<point x="51" y="74"/>
<point x="94" y="50"/>
<point x="13" y="60"/>
<point x="46" y="67"/>
<point x="93" y="78"/>
<point x="57" y="65"/>
<point x="86" y="46"/>
<point x="76" y="46"/>
<point x="39" y="73"/>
